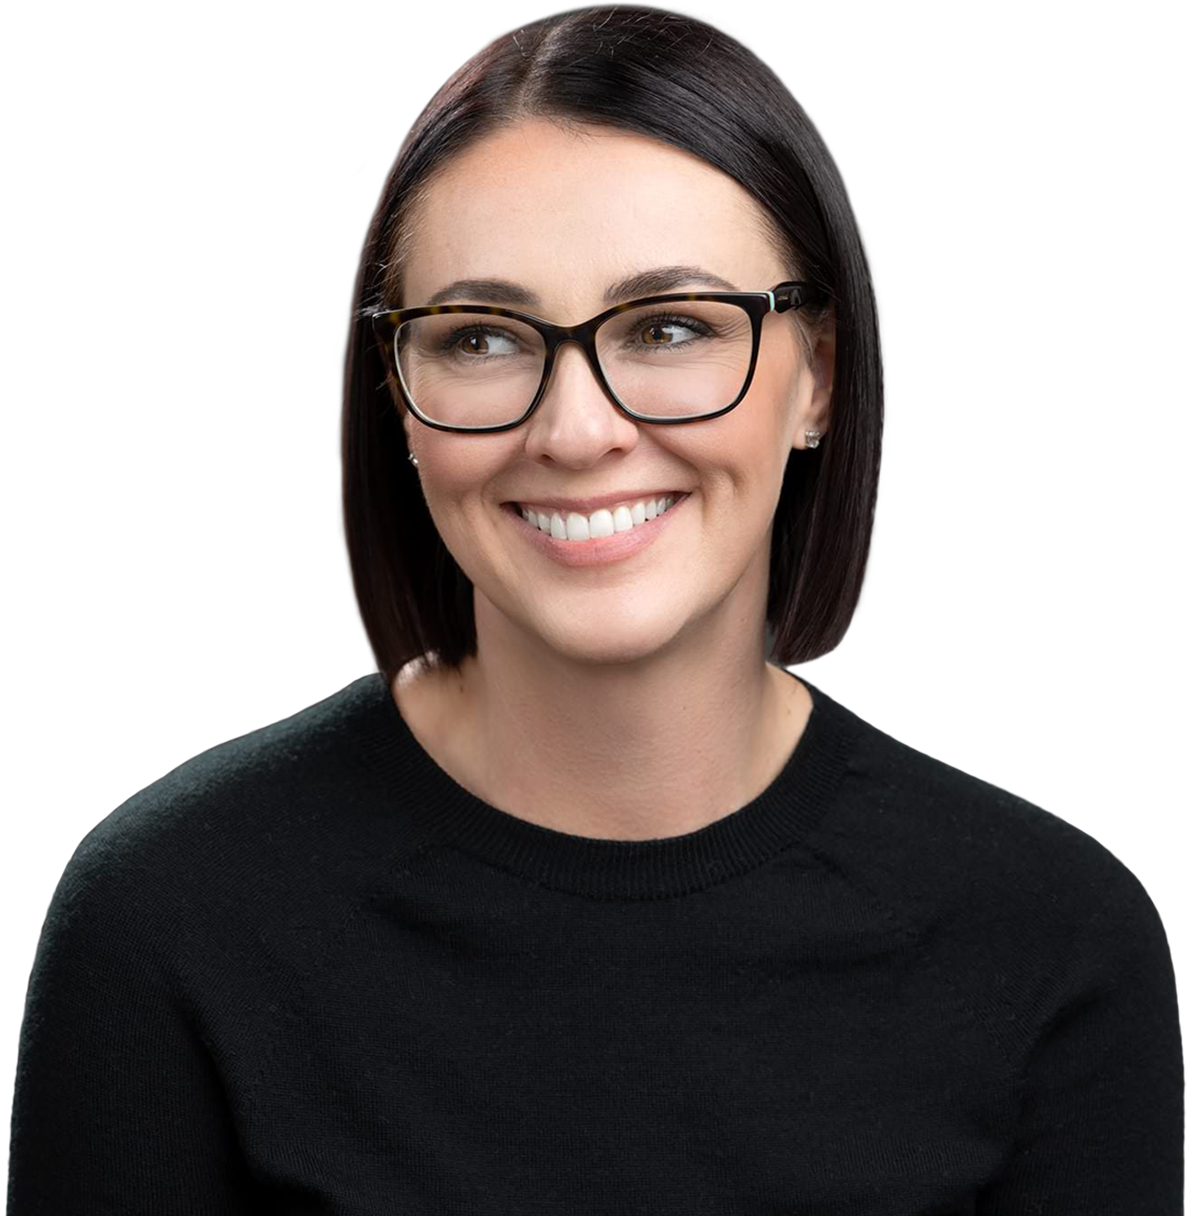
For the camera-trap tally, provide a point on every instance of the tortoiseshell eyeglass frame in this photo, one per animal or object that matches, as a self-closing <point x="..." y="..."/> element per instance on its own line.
<point x="757" y="304"/>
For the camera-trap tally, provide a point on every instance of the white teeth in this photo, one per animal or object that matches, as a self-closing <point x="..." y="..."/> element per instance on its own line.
<point x="600" y="523"/>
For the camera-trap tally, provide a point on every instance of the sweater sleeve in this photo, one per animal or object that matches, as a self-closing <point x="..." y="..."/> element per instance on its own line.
<point x="1101" y="1118"/>
<point x="118" y="1107"/>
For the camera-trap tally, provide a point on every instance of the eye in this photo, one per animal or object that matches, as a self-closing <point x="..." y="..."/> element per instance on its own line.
<point x="668" y="321"/>
<point x="474" y="332"/>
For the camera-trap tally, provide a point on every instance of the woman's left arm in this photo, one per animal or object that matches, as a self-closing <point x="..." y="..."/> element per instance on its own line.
<point x="1101" y="1121"/>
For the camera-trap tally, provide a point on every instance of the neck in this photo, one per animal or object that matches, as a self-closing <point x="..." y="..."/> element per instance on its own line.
<point x="624" y="751"/>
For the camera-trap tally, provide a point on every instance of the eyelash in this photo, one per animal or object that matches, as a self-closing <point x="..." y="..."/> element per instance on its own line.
<point x="700" y="328"/>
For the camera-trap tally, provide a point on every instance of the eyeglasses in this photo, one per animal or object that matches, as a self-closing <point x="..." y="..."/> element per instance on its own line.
<point x="664" y="359"/>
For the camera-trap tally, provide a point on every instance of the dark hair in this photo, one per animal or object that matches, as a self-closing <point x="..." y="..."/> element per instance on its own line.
<point x="682" y="81"/>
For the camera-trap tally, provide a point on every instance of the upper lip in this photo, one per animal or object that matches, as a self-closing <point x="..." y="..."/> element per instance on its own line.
<point x="585" y="506"/>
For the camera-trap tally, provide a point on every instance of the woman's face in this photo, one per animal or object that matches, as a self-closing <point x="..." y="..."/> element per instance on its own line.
<point x="566" y="215"/>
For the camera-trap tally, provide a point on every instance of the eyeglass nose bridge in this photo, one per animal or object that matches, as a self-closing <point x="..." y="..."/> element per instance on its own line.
<point x="584" y="336"/>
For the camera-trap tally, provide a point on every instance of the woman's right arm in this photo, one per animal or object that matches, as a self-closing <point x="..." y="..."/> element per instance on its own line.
<point x="118" y="1106"/>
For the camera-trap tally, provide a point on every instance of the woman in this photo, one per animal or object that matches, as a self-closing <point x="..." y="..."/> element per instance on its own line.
<point x="582" y="902"/>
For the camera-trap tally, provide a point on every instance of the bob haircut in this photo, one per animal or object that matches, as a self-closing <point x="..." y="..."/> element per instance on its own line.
<point x="681" y="81"/>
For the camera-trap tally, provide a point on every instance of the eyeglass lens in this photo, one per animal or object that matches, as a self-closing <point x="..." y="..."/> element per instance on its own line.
<point x="663" y="361"/>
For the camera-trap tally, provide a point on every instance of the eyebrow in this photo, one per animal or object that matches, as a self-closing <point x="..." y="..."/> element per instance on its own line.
<point x="656" y="281"/>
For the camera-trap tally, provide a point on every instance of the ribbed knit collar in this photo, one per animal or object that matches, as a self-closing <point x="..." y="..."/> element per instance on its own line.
<point x="439" y="810"/>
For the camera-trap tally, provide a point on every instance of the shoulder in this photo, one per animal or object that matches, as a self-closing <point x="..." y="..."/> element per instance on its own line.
<point x="243" y="819"/>
<point x="994" y="881"/>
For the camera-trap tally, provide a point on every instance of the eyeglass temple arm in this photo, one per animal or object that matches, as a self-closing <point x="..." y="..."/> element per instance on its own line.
<point x="793" y="295"/>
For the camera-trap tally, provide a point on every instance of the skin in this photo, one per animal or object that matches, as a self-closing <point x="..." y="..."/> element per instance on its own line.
<point x="631" y="701"/>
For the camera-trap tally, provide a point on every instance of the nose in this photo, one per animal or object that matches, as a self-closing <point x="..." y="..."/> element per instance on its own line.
<point x="571" y="359"/>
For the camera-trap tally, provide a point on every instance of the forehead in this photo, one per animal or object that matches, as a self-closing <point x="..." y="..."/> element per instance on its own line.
<point x="568" y="212"/>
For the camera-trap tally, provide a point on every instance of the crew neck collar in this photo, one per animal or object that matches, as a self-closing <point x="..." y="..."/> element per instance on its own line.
<point x="445" y="813"/>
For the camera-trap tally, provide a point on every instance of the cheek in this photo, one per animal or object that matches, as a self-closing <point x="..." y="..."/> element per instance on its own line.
<point x="746" y="449"/>
<point x="766" y="438"/>
<point x="458" y="470"/>
<point x="466" y="535"/>
<point x="775" y="391"/>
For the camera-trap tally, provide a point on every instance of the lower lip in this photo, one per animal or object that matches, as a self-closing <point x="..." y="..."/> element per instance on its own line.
<point x="600" y="550"/>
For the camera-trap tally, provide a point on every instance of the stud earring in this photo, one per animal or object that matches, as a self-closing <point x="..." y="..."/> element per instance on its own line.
<point x="413" y="460"/>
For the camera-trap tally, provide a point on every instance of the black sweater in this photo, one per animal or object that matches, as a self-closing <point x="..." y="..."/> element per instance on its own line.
<point x="307" y="972"/>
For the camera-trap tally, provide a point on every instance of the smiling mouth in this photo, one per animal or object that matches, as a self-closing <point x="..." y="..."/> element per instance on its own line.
<point x="676" y="496"/>
<point x="611" y="539"/>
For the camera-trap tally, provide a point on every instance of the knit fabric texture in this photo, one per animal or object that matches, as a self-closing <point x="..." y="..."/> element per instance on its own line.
<point x="306" y="972"/>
